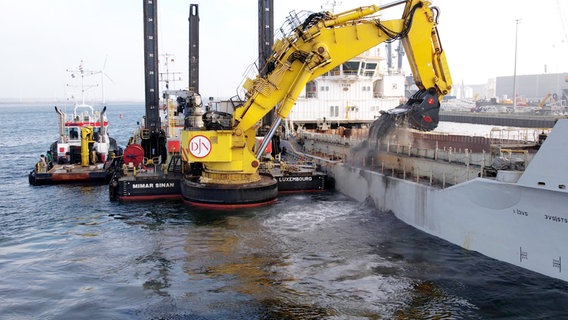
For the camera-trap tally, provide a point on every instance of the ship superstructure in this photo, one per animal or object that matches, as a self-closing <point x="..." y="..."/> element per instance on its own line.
<point x="352" y="94"/>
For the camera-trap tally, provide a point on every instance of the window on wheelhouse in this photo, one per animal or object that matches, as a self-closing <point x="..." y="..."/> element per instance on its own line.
<point x="362" y="68"/>
<point x="334" y="72"/>
<point x="369" y="69"/>
<point x="72" y="133"/>
<point x="351" y="68"/>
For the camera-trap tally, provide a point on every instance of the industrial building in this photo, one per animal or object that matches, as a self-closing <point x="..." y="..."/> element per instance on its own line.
<point x="531" y="89"/>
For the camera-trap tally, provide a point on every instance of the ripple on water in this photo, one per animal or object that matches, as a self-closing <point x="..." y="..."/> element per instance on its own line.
<point x="67" y="252"/>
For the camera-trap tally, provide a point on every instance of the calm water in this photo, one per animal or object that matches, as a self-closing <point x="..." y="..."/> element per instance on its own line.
<point x="66" y="252"/>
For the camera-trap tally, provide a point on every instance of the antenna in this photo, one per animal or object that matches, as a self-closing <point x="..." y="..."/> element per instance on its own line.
<point x="168" y="76"/>
<point x="81" y="72"/>
<point x="332" y="4"/>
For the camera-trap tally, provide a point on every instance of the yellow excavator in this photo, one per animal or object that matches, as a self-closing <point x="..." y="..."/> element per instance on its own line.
<point x="222" y="155"/>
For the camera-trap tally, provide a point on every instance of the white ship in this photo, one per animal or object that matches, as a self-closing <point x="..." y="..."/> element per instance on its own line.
<point x="83" y="152"/>
<point x="353" y="93"/>
<point x="519" y="216"/>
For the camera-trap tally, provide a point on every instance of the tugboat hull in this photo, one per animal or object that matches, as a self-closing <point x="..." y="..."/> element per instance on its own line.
<point x="147" y="188"/>
<point x="303" y="183"/>
<point x="87" y="177"/>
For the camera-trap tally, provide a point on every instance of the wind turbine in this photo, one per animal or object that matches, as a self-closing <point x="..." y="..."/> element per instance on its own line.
<point x="103" y="75"/>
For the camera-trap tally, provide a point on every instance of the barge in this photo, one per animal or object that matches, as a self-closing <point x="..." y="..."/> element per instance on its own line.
<point x="151" y="168"/>
<point x="504" y="198"/>
<point x="143" y="175"/>
<point x="153" y="165"/>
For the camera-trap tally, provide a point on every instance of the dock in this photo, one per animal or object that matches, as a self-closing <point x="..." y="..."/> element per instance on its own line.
<point x="502" y="119"/>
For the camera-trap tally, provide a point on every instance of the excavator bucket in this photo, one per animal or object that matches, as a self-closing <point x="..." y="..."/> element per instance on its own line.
<point x="421" y="112"/>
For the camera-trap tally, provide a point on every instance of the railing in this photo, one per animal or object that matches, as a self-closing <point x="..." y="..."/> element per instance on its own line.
<point x="518" y="135"/>
<point x="293" y="20"/>
<point x="442" y="167"/>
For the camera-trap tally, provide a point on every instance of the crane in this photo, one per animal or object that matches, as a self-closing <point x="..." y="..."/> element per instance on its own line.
<point x="224" y="151"/>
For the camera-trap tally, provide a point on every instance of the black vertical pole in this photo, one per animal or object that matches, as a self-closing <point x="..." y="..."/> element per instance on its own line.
<point x="153" y="141"/>
<point x="265" y="42"/>
<point x="194" y="48"/>
<point x="151" y="65"/>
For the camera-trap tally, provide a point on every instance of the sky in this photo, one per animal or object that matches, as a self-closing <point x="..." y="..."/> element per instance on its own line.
<point x="41" y="40"/>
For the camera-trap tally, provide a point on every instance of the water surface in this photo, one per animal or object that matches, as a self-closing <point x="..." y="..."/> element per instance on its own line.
<point x="67" y="252"/>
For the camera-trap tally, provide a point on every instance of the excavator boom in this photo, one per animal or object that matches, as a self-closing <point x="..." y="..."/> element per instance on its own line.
<point x="319" y="44"/>
<point x="325" y="41"/>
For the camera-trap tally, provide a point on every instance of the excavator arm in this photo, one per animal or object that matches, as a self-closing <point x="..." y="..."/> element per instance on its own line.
<point x="316" y="46"/>
<point x="325" y="41"/>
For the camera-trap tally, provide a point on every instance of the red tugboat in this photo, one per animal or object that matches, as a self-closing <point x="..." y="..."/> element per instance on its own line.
<point x="83" y="153"/>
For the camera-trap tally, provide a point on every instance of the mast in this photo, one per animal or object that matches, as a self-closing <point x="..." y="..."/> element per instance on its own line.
<point x="265" y="41"/>
<point x="400" y="54"/>
<point x="389" y="57"/>
<point x="153" y="136"/>
<point x="193" y="48"/>
<point x="151" y="64"/>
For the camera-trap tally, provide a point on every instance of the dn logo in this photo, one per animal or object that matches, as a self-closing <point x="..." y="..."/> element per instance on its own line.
<point x="199" y="146"/>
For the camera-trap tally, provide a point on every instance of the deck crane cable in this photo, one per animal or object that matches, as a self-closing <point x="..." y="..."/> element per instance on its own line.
<point x="313" y="19"/>
<point x="437" y="14"/>
<point x="407" y="25"/>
